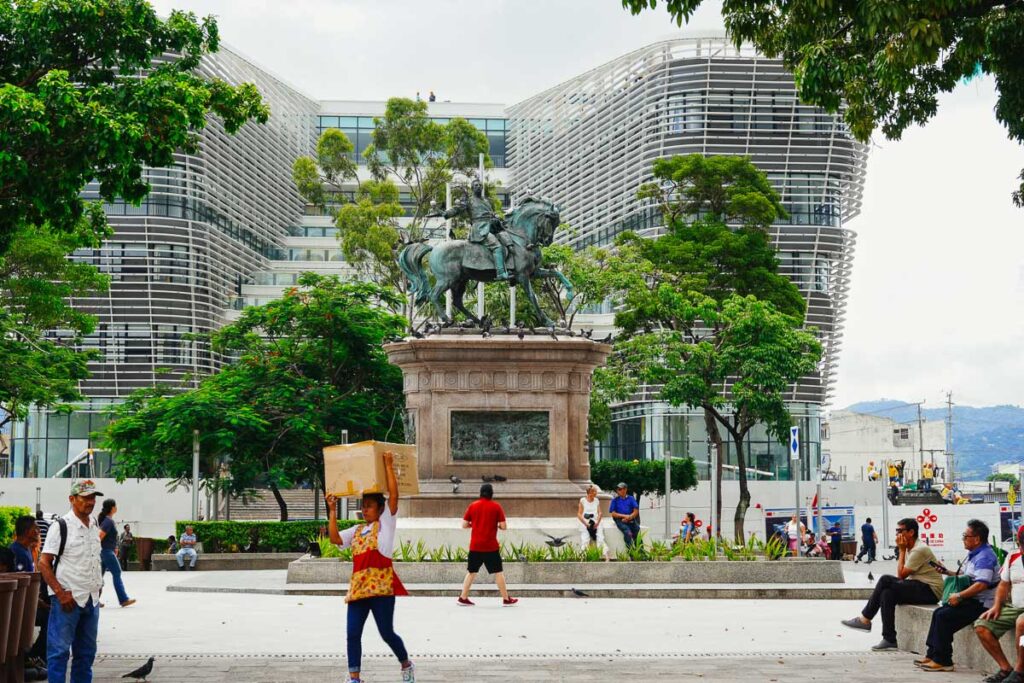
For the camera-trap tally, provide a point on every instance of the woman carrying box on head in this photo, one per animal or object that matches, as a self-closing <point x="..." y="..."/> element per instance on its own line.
<point x="374" y="584"/>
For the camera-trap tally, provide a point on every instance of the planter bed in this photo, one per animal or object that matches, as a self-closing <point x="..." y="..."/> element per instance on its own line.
<point x="335" y="571"/>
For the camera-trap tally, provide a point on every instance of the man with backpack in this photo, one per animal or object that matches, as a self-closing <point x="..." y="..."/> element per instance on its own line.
<point x="70" y="565"/>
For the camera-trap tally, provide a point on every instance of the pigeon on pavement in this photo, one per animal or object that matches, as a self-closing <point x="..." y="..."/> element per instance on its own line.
<point x="871" y="577"/>
<point x="141" y="673"/>
<point x="578" y="593"/>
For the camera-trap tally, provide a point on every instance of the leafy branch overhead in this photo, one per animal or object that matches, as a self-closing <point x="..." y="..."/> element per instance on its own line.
<point x="883" y="64"/>
<point x="99" y="103"/>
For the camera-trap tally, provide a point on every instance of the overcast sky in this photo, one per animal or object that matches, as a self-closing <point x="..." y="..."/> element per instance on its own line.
<point x="937" y="297"/>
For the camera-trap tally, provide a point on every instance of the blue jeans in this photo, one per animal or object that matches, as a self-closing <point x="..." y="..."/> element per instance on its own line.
<point x="630" y="530"/>
<point x="383" y="609"/>
<point x="67" y="633"/>
<point x="189" y="553"/>
<point x="110" y="564"/>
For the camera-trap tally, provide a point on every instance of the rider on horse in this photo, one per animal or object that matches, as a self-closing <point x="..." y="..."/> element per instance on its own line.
<point x="487" y="228"/>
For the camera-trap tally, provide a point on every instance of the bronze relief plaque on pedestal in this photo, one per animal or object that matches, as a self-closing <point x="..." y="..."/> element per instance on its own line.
<point x="500" y="435"/>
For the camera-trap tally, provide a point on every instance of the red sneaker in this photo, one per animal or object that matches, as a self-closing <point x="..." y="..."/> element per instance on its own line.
<point x="466" y="602"/>
<point x="509" y="602"/>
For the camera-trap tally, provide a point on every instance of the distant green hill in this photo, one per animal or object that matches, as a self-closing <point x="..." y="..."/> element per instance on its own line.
<point x="982" y="437"/>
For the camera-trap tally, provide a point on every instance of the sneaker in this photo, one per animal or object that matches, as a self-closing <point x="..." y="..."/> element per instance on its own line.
<point x="466" y="602"/>
<point x="1014" y="677"/>
<point x="509" y="602"/>
<point x="128" y="603"/>
<point x="885" y="645"/>
<point x="997" y="676"/>
<point x="409" y="674"/>
<point x="935" y="666"/>
<point x="857" y="624"/>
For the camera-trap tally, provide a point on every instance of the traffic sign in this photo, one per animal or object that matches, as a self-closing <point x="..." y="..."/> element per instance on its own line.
<point x="794" y="443"/>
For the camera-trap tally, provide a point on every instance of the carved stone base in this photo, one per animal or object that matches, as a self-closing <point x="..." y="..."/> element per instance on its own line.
<point x="474" y="390"/>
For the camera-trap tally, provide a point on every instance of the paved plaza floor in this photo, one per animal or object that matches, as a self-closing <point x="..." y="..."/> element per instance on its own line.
<point x="240" y="637"/>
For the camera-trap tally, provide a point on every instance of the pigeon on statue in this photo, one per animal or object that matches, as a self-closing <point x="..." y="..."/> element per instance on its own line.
<point x="141" y="673"/>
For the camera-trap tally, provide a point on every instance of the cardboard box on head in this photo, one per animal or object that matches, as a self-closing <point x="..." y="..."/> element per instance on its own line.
<point x="358" y="468"/>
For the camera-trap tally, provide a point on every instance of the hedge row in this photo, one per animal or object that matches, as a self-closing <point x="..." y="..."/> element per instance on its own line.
<point x="8" y="516"/>
<point x="269" y="537"/>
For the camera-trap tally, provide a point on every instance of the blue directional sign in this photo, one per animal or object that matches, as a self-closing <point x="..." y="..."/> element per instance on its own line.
<point x="794" y="443"/>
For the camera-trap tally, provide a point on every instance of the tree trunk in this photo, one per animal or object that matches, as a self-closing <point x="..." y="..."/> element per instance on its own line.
<point x="716" y="440"/>
<point x="280" y="502"/>
<point x="744" y="502"/>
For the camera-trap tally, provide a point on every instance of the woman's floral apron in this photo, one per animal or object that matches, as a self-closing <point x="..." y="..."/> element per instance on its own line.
<point x="373" y="574"/>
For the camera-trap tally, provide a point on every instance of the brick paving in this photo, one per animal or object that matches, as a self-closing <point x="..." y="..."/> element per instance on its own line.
<point x="788" y="668"/>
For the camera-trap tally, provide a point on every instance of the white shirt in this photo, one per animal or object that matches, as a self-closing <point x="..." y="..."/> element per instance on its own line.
<point x="385" y="537"/>
<point x="79" y="568"/>
<point x="1013" y="572"/>
<point x="591" y="508"/>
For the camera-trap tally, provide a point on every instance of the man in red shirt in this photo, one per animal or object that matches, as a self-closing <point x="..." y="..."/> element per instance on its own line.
<point x="484" y="517"/>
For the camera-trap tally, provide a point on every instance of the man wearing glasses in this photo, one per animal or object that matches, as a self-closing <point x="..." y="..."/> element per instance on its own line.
<point x="965" y="606"/>
<point x="1005" y="616"/>
<point x="916" y="583"/>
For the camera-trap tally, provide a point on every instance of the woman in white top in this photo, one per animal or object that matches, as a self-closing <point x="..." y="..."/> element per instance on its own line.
<point x="589" y="515"/>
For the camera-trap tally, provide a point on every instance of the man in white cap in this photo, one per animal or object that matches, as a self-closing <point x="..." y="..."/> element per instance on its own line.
<point x="70" y="565"/>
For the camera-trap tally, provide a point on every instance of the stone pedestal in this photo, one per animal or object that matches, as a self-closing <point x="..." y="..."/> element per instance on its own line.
<point x="499" y="406"/>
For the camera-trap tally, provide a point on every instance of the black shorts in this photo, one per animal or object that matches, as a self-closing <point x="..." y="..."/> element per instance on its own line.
<point x="491" y="560"/>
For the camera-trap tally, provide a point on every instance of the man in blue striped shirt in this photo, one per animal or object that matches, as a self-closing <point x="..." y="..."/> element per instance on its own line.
<point x="966" y="605"/>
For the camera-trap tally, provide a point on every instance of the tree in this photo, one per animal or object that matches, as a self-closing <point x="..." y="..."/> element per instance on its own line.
<point x="37" y="283"/>
<point x="734" y="360"/>
<point x="98" y="103"/>
<point x="309" y="366"/>
<point x="694" y="298"/>
<point x="886" y="61"/>
<point x="1004" y="476"/>
<point x="408" y="149"/>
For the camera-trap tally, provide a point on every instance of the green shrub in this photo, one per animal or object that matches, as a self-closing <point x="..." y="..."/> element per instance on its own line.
<point x="9" y="515"/>
<point x="274" y="537"/>
<point x="643" y="476"/>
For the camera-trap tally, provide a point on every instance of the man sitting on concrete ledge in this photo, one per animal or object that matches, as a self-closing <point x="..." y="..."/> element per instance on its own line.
<point x="187" y="548"/>
<point x="1005" y="616"/>
<point x="916" y="583"/>
<point x="964" y="606"/>
<point x="625" y="510"/>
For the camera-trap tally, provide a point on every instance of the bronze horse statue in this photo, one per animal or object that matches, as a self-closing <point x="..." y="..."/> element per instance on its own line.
<point x="454" y="264"/>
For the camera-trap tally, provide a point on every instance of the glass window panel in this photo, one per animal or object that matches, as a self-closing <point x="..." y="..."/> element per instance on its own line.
<point x="328" y="121"/>
<point x="79" y="425"/>
<point x="56" y="425"/>
<point x="496" y="124"/>
<point x="348" y="121"/>
<point x="366" y="122"/>
<point x="479" y="123"/>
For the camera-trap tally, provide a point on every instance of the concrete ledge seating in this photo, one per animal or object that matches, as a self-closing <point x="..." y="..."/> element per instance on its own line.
<point x="912" y="622"/>
<point x="229" y="561"/>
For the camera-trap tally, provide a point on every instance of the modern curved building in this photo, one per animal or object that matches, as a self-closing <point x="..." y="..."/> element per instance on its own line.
<point x="177" y="262"/>
<point x="589" y="144"/>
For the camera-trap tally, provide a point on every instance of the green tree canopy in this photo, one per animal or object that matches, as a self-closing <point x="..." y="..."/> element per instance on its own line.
<point x="887" y="61"/>
<point x="87" y="95"/>
<point x="644" y="476"/>
<point x="705" y="314"/>
<point x="408" y="149"/>
<point x="37" y="283"/>
<point x="309" y="366"/>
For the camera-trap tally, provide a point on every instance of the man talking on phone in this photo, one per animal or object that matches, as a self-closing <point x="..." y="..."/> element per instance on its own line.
<point x="917" y="582"/>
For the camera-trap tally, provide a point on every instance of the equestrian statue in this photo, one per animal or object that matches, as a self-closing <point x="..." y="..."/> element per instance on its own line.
<point x="506" y="250"/>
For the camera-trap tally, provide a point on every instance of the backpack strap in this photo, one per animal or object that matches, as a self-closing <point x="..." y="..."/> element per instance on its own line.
<point x="62" y="523"/>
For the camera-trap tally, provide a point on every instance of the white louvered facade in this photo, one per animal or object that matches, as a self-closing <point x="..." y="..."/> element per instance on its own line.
<point x="589" y="144"/>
